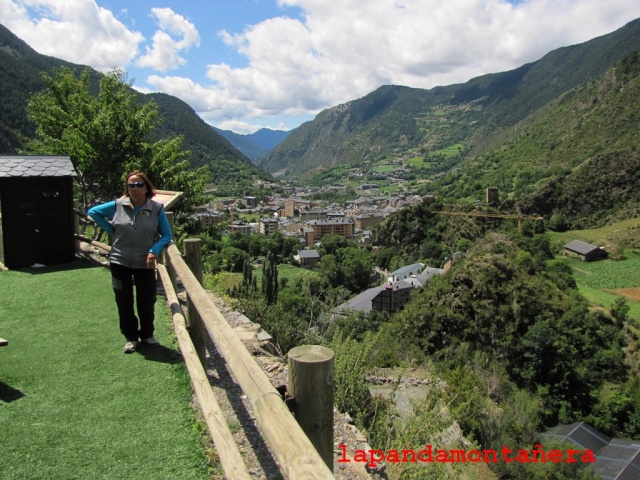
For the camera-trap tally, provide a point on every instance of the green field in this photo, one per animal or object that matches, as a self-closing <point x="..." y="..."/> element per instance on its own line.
<point x="600" y="282"/>
<point x="418" y="162"/>
<point x="621" y="235"/>
<point x="451" y="151"/>
<point x="608" y="274"/>
<point x="390" y="189"/>
<point x="224" y="281"/>
<point x="597" y="281"/>
<point x="72" y="405"/>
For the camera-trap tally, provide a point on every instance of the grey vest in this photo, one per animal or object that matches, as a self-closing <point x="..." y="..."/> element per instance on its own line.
<point x="134" y="234"/>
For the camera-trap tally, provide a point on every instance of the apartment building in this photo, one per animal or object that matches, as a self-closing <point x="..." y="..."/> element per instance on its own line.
<point x="336" y="226"/>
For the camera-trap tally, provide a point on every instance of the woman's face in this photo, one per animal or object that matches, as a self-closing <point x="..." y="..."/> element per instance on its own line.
<point x="137" y="189"/>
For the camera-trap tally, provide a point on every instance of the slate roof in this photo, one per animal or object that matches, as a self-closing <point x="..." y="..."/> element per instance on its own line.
<point x="580" y="247"/>
<point x="308" y="254"/>
<point x="35" y="166"/>
<point x="426" y="274"/>
<point x="362" y="301"/>
<point x="616" y="459"/>
<point x="407" y="269"/>
<point x="620" y="460"/>
<point x="332" y="221"/>
<point x="581" y="434"/>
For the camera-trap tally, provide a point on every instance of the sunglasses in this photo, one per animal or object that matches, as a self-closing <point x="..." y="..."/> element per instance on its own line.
<point x="136" y="185"/>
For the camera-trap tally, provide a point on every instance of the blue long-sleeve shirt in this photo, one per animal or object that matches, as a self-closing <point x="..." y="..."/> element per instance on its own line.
<point x="103" y="214"/>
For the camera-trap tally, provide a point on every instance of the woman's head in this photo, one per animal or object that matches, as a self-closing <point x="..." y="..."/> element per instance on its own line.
<point x="137" y="181"/>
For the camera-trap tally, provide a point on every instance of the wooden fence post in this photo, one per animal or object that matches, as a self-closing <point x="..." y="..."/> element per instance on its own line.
<point x="311" y="383"/>
<point x="165" y="258"/>
<point x="193" y="259"/>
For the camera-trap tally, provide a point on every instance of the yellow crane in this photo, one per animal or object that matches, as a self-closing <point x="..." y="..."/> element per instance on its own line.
<point x="517" y="216"/>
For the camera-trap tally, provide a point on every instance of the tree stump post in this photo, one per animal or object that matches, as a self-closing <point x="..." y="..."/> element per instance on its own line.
<point x="193" y="259"/>
<point x="311" y="383"/>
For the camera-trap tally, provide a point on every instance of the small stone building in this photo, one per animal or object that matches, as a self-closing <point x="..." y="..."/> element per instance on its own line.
<point x="36" y="210"/>
<point x="585" y="251"/>
<point x="308" y="258"/>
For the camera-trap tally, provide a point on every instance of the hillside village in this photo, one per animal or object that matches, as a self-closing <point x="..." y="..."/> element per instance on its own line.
<point x="297" y="216"/>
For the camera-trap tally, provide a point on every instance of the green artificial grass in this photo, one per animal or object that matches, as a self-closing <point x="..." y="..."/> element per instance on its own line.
<point x="72" y="404"/>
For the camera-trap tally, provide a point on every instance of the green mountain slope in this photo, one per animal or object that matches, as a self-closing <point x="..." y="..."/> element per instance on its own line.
<point x="20" y="75"/>
<point x="578" y="156"/>
<point x="20" y="68"/>
<point x="475" y="115"/>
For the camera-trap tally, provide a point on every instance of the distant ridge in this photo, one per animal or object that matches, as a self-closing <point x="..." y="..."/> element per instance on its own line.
<point x="396" y="119"/>
<point x="257" y="144"/>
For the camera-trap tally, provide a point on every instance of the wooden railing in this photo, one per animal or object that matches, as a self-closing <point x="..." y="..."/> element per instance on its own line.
<point x="230" y="458"/>
<point x="296" y="455"/>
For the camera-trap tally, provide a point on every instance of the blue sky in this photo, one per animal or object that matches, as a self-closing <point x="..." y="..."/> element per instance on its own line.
<point x="247" y="64"/>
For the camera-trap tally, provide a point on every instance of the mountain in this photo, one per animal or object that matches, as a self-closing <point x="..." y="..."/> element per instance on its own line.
<point x="20" y="76"/>
<point x="470" y="118"/>
<point x="256" y="144"/>
<point x="578" y="156"/>
<point x="208" y="147"/>
<point x="20" y="69"/>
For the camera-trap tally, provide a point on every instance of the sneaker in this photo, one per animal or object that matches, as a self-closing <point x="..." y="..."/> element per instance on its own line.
<point x="150" y="341"/>
<point x="130" y="346"/>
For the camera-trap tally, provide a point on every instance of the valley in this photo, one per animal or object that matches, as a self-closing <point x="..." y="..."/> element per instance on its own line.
<point x="522" y="338"/>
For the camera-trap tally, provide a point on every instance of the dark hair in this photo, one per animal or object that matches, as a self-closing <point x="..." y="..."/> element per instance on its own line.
<point x="151" y="190"/>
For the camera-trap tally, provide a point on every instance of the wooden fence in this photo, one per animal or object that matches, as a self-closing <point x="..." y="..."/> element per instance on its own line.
<point x="296" y="455"/>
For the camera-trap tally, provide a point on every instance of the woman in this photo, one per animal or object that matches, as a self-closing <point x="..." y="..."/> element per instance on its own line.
<point x="135" y="221"/>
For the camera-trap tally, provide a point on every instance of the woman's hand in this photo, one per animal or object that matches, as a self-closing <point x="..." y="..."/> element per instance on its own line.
<point x="151" y="260"/>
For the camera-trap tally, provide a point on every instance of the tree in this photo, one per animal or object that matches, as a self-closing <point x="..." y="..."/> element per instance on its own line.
<point x="330" y="269"/>
<point x="357" y="268"/>
<point x="248" y="280"/>
<point x="291" y="246"/>
<point x="383" y="257"/>
<point x="332" y="243"/>
<point x="239" y="240"/>
<point x="270" y="279"/>
<point x="463" y="245"/>
<point x="233" y="258"/>
<point x="107" y="135"/>
<point x="558" y="223"/>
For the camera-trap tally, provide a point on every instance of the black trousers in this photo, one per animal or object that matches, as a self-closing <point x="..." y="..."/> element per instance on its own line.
<point x="124" y="279"/>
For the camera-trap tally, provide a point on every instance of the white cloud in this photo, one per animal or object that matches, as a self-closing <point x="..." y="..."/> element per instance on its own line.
<point x="332" y="55"/>
<point x="327" y="56"/>
<point x="75" y="30"/>
<point x="164" y="54"/>
<point x="240" y="127"/>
